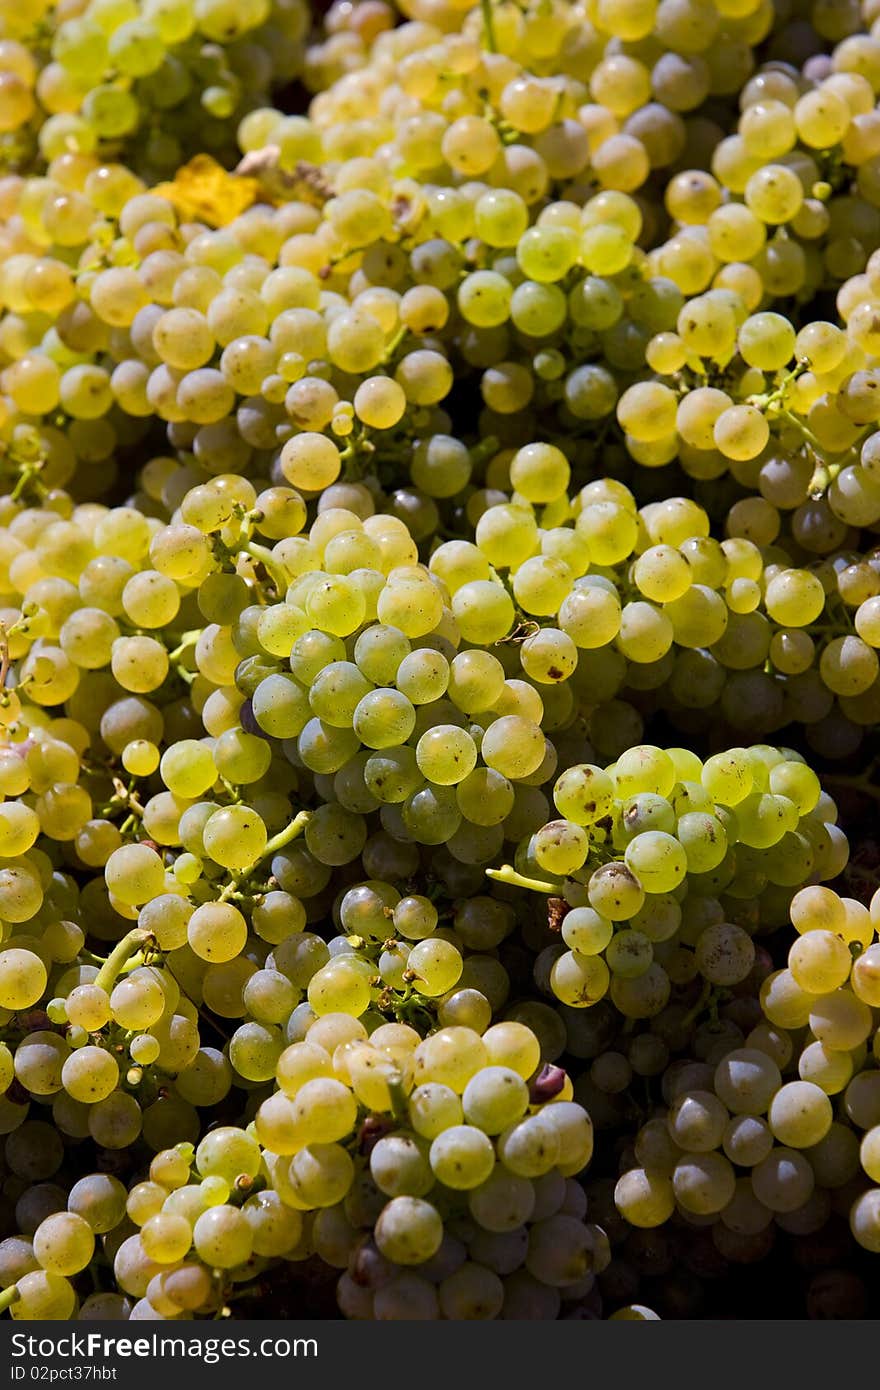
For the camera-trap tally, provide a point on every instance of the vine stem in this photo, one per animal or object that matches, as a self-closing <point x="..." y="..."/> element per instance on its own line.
<point x="507" y="874"/>
<point x="8" y="1297"/>
<point x="807" y="433"/>
<point x="269" y="563"/>
<point x="701" y="1003"/>
<point x="130" y="945"/>
<point x="284" y="837"/>
<point x="188" y="640"/>
<point x="489" y="25"/>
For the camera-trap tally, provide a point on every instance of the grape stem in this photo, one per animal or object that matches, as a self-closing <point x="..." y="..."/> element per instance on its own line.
<point x="8" y="1297"/>
<point x="284" y="837"/>
<point x="489" y="25"/>
<point x="814" y="443"/>
<point x="129" y="946"/>
<point x="698" y="1007"/>
<point x="507" y="874"/>
<point x="399" y="1099"/>
<point x="187" y="640"/>
<point x="270" y="565"/>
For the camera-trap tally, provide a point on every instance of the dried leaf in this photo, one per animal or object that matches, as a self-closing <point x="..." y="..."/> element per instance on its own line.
<point x="203" y="191"/>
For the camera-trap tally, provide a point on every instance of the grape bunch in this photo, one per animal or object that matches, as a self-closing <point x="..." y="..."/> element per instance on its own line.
<point x="145" y="84"/>
<point x="757" y="1137"/>
<point x="344" y="1169"/>
<point x="649" y="853"/>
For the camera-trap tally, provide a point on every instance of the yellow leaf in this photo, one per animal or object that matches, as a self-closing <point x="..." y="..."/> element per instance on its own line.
<point x="203" y="191"/>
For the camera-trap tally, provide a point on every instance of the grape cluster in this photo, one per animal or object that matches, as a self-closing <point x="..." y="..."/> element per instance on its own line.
<point x="651" y="852"/>
<point x="340" y="1161"/>
<point x="784" y="1128"/>
<point x="146" y="82"/>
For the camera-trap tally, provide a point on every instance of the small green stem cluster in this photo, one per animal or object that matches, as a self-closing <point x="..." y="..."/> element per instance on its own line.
<point x="284" y="837"/>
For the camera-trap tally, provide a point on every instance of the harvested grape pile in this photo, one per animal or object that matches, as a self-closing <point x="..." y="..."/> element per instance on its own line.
<point x="439" y="605"/>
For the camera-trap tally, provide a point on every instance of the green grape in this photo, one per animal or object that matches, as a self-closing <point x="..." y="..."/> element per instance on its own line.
<point x="724" y="954"/>
<point x="383" y="718"/>
<point x="476" y="681"/>
<point x="728" y="777"/>
<point x="462" y="1157"/>
<point x="584" y="794"/>
<point x="549" y="656"/>
<point x="254" y="1049"/>
<point x="485" y="797"/>
<point x="483" y="610"/>
<point x="408" y="1231"/>
<point x="614" y="891"/>
<point x="484" y="298"/>
<point x="22" y="978"/>
<point x="704" y="840"/>
<point x="579" y="980"/>
<point x="446" y="755"/>
<point x="800" y="1114"/>
<point x="222" y="1237"/>
<point x="235" y="837"/>
<point x="45" y="1296"/>
<point x="217" y="931"/>
<point x="336" y="691"/>
<point x="513" y="746"/>
<point x="436" y="965"/>
<point x="415" y="917"/>
<point x="90" y="1074"/>
<point x="423" y="676"/>
<point x="629" y="955"/>
<point x="531" y="1147"/>
<point x="134" y="874"/>
<point x="561" y="847"/>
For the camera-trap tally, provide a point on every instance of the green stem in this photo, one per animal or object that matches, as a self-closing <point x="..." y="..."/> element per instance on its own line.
<point x="291" y="832"/>
<point x="284" y="837"/>
<point x="804" y="430"/>
<point x="8" y="1297"/>
<point x="187" y="640"/>
<point x="395" y="342"/>
<point x="28" y="475"/>
<point x="700" y="1004"/>
<point x="130" y="945"/>
<point x="507" y="874"/>
<point x="270" y="565"/>
<point x="399" y="1099"/>
<point x="489" y="25"/>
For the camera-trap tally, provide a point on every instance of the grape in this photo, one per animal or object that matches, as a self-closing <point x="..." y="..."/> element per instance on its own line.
<point x="409" y="1230"/>
<point x="783" y="1181"/>
<point x="696" y="1122"/>
<point x="462" y="1157"/>
<point x="135" y="873"/>
<point x="22" y="978"/>
<point x="63" y="1244"/>
<point x="503" y="1202"/>
<point x="703" y="1183"/>
<point x="90" y="1074"/>
<point x="43" y="1295"/>
<point x="222" y="1237"/>
<point x="531" y="1147"/>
